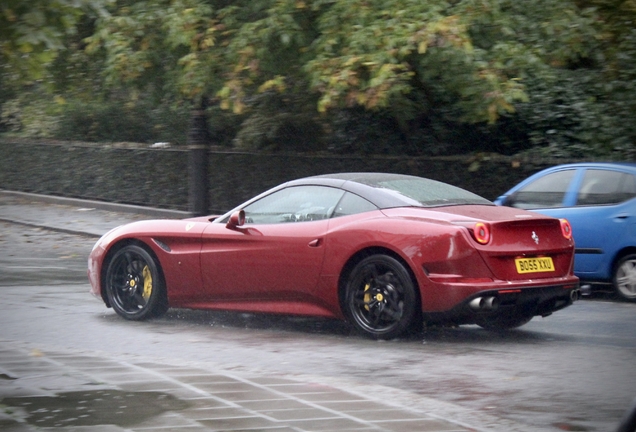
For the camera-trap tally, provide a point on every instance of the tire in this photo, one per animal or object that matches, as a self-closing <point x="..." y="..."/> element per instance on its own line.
<point x="503" y="321"/>
<point x="134" y="284"/>
<point x="624" y="278"/>
<point x="380" y="298"/>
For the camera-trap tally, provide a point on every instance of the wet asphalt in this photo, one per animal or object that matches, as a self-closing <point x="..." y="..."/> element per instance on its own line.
<point x="43" y="390"/>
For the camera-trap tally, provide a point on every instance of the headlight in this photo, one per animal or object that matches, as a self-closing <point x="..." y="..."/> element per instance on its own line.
<point x="101" y="239"/>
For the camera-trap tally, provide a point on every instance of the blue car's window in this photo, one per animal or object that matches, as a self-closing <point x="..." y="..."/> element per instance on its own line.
<point x="352" y="204"/>
<point x="294" y="204"/>
<point x="545" y="192"/>
<point x="606" y="187"/>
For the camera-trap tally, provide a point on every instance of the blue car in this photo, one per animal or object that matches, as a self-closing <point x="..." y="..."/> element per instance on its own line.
<point x="599" y="201"/>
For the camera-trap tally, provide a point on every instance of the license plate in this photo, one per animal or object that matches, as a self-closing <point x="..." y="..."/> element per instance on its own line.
<point x="534" y="265"/>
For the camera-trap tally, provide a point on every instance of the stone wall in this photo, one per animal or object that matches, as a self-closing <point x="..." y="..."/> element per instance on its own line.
<point x="158" y="177"/>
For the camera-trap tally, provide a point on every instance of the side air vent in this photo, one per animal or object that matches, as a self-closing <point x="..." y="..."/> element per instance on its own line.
<point x="162" y="245"/>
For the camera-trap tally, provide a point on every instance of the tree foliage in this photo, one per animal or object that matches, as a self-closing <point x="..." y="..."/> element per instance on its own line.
<point x="33" y="32"/>
<point x="553" y="74"/>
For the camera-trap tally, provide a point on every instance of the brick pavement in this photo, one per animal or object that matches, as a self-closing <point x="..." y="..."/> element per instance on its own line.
<point x="77" y="392"/>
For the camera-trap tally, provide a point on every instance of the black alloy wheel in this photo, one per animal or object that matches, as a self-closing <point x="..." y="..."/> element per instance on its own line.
<point x="134" y="284"/>
<point x="380" y="298"/>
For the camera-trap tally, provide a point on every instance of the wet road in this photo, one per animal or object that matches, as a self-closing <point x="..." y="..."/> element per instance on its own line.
<point x="570" y="371"/>
<point x="31" y="255"/>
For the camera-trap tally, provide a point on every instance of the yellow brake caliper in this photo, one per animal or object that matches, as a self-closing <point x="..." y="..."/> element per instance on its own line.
<point x="147" y="283"/>
<point x="367" y="297"/>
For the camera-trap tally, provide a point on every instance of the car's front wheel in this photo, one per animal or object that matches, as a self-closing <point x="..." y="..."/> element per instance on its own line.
<point x="625" y="277"/>
<point x="380" y="298"/>
<point x="134" y="285"/>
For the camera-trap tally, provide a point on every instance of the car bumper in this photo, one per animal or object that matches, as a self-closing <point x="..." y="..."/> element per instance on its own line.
<point x="541" y="301"/>
<point x="94" y="264"/>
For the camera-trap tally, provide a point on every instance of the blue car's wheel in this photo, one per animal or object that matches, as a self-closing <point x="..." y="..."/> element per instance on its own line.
<point x="625" y="277"/>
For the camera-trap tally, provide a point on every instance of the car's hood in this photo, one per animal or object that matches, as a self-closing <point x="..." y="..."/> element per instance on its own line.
<point x="208" y="218"/>
<point x="157" y="228"/>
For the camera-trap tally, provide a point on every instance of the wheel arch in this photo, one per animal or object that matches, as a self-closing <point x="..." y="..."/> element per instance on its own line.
<point x="625" y="253"/>
<point x="629" y="250"/>
<point x="113" y="250"/>
<point x="366" y="252"/>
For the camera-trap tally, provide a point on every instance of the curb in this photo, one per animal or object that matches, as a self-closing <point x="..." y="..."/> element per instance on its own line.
<point x="101" y="205"/>
<point x="51" y="228"/>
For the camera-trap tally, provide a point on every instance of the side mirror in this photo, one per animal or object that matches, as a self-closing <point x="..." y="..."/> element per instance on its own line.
<point x="237" y="219"/>
<point x="506" y="200"/>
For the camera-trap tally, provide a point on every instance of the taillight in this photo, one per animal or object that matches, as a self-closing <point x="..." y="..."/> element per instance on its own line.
<point x="481" y="231"/>
<point x="566" y="228"/>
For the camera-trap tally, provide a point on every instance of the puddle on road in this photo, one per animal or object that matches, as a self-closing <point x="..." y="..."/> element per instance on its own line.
<point x="91" y="408"/>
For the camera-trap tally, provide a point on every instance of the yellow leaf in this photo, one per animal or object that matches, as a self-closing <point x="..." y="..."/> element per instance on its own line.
<point x="207" y="42"/>
<point x="26" y="48"/>
<point x="10" y="15"/>
<point x="224" y="92"/>
<point x="276" y="83"/>
<point x="422" y="47"/>
<point x="505" y="105"/>
<point x="492" y="113"/>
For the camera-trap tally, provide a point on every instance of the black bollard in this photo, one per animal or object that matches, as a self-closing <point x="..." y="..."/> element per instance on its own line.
<point x="198" y="139"/>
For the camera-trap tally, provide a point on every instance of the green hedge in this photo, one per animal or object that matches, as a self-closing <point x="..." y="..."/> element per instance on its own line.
<point x="158" y="177"/>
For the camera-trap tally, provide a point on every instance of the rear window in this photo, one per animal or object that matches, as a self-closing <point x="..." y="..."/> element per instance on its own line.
<point x="424" y="192"/>
<point x="601" y="187"/>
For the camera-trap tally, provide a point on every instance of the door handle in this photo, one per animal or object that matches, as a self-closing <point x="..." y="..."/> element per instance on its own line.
<point x="315" y="242"/>
<point x="621" y="216"/>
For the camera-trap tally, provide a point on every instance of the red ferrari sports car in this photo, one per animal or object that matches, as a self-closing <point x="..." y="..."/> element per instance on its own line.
<point x="386" y="252"/>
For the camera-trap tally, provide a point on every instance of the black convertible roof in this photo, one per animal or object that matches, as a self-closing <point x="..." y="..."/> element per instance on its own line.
<point x="384" y="190"/>
<point x="387" y="190"/>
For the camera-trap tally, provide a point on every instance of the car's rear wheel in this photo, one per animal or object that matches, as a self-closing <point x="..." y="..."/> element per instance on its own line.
<point x="134" y="285"/>
<point x="503" y="320"/>
<point x="380" y="298"/>
<point x="625" y="277"/>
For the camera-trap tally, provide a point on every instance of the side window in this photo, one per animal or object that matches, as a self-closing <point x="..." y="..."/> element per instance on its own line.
<point x="293" y="204"/>
<point x="605" y="187"/>
<point x="352" y="204"/>
<point x="545" y="192"/>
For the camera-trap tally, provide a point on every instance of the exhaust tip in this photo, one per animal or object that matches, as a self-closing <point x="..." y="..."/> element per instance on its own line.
<point x="586" y="290"/>
<point x="484" y="303"/>
<point x="477" y="303"/>
<point x="491" y="303"/>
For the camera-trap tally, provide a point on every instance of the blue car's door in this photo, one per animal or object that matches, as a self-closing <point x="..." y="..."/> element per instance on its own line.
<point x="602" y="219"/>
<point x="598" y="231"/>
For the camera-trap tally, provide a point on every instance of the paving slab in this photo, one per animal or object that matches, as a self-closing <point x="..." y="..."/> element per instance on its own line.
<point x="69" y="392"/>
